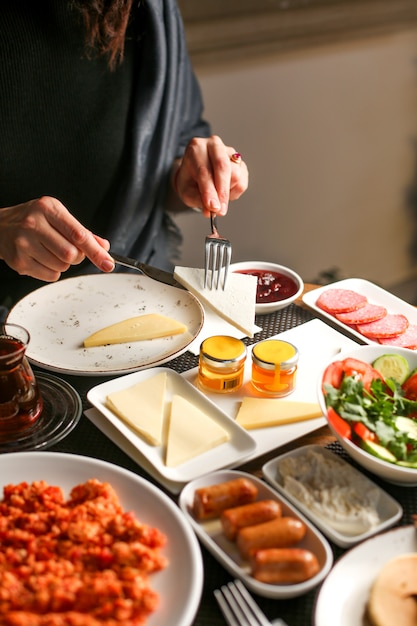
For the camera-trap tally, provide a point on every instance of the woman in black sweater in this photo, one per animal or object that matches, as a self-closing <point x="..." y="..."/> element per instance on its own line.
<point x="101" y="134"/>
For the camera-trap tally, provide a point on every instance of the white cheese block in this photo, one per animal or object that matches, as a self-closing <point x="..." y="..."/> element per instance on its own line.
<point x="142" y="406"/>
<point x="236" y="303"/>
<point x="149" y="326"/>
<point x="191" y="432"/>
<point x="263" y="412"/>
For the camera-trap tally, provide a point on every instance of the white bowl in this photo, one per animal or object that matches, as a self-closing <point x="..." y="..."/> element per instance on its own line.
<point x="390" y="472"/>
<point x="270" y="307"/>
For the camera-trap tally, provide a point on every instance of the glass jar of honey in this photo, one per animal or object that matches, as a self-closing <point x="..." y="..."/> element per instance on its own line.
<point x="221" y="364"/>
<point x="274" y="367"/>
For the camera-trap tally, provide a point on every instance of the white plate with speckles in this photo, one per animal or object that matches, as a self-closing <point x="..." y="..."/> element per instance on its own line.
<point x="59" y="316"/>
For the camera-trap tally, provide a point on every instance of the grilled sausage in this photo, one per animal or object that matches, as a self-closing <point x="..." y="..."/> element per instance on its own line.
<point x="278" y="566"/>
<point x="210" y="501"/>
<point x="247" y="515"/>
<point x="283" y="532"/>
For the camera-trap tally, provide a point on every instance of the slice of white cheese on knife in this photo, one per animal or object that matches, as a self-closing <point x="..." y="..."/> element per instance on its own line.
<point x="264" y="412"/>
<point x="142" y="406"/>
<point x="140" y="328"/>
<point x="236" y="303"/>
<point x="191" y="432"/>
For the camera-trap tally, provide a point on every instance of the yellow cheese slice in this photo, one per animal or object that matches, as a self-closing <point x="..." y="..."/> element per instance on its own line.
<point x="191" y="432"/>
<point x="263" y="412"/>
<point x="142" y="406"/>
<point x="236" y="303"/>
<point x="139" y="328"/>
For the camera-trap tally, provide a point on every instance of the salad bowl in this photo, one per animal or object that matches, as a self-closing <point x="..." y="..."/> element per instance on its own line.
<point x="355" y="439"/>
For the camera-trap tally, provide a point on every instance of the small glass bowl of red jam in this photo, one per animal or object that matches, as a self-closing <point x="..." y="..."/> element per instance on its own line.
<point x="278" y="286"/>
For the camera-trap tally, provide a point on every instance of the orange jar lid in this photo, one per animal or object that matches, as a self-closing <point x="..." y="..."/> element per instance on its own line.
<point x="222" y="349"/>
<point x="273" y="353"/>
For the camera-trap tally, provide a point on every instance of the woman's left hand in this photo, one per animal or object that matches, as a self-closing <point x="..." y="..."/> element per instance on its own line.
<point x="209" y="175"/>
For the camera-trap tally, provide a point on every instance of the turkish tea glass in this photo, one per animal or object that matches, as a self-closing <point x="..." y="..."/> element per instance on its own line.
<point x="20" y="399"/>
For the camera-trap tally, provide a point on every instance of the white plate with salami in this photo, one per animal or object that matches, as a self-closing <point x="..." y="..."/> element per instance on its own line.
<point x="344" y="594"/>
<point x="208" y="527"/>
<point x="368" y="312"/>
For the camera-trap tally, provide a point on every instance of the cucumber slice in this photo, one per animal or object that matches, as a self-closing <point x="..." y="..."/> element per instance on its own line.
<point x="409" y="464"/>
<point x="392" y="366"/>
<point x="407" y="425"/>
<point x="377" y="450"/>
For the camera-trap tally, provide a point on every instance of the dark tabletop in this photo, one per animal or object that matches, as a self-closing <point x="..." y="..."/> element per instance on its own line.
<point x="87" y="440"/>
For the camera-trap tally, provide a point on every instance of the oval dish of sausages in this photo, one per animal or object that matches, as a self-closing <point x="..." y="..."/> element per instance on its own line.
<point x="256" y="534"/>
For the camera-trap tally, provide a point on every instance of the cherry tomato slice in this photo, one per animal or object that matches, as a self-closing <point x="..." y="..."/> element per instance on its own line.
<point x="410" y="387"/>
<point x="341" y="426"/>
<point x="364" y="433"/>
<point x="335" y="372"/>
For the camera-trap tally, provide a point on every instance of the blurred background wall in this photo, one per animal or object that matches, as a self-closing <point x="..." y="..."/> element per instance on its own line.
<point x="326" y="119"/>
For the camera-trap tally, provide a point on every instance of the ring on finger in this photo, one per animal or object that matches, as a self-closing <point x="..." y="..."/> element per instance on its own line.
<point x="236" y="157"/>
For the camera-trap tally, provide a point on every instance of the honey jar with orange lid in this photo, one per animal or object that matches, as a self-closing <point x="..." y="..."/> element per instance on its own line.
<point x="221" y="364"/>
<point x="274" y="367"/>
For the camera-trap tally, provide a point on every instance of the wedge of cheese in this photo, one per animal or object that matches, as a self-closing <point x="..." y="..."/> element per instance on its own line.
<point x="263" y="412"/>
<point x="191" y="432"/>
<point x="142" y="406"/>
<point x="236" y="303"/>
<point x="139" y="328"/>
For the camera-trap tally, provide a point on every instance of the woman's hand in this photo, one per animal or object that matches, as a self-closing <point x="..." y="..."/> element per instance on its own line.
<point x="207" y="178"/>
<point x="41" y="238"/>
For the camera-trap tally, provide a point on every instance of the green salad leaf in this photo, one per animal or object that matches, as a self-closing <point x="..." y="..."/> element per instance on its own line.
<point x="377" y="409"/>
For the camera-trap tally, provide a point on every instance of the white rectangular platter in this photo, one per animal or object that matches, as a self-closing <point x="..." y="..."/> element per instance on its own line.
<point x="374" y="294"/>
<point x="389" y="511"/>
<point x="317" y="343"/>
<point x="236" y="449"/>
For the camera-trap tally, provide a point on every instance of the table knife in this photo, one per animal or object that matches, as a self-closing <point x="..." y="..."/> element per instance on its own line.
<point x="148" y="270"/>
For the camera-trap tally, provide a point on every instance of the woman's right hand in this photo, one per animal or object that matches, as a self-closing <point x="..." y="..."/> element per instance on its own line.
<point x="41" y="238"/>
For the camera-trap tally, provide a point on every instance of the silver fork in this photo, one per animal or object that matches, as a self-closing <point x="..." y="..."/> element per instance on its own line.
<point x="218" y="253"/>
<point x="239" y="608"/>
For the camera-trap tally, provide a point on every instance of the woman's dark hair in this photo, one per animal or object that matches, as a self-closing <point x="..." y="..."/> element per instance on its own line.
<point x="106" y="22"/>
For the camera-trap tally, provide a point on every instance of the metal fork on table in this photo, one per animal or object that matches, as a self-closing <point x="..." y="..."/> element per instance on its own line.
<point x="218" y="253"/>
<point x="239" y="608"/>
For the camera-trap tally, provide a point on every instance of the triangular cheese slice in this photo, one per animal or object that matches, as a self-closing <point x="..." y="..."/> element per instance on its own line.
<point x="236" y="303"/>
<point x="191" y="432"/>
<point x="149" y="326"/>
<point x="142" y="407"/>
<point x="263" y="412"/>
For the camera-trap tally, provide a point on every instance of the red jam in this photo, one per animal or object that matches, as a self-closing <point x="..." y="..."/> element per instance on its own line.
<point x="272" y="286"/>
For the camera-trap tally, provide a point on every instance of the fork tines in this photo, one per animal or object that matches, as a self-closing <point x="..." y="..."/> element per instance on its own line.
<point x="217" y="263"/>
<point x="238" y="606"/>
<point x="218" y="254"/>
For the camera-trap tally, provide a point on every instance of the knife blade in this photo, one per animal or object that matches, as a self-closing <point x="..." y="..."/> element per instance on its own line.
<point x="148" y="270"/>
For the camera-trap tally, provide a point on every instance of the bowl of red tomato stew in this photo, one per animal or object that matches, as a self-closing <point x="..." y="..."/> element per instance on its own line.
<point x="369" y="397"/>
<point x="278" y="286"/>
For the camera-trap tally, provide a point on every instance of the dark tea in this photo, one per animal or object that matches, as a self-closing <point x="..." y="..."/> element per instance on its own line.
<point x="20" y="399"/>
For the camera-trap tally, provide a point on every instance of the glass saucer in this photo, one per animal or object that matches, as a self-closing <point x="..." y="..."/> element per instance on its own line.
<point x="62" y="409"/>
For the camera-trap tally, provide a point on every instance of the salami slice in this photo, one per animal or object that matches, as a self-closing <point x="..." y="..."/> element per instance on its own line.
<point x="389" y="326"/>
<point x="340" y="301"/>
<point x="407" y="339"/>
<point x="364" y="315"/>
